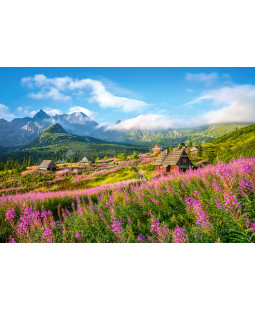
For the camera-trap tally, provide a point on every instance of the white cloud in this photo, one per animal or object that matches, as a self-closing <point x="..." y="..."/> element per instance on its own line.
<point x="5" y="112"/>
<point x="25" y="111"/>
<point x="51" y="93"/>
<point x="236" y="104"/>
<point x="56" y="89"/>
<point x="89" y="113"/>
<point x="145" y="122"/>
<point x="52" y="112"/>
<point x="231" y="104"/>
<point x="207" y="78"/>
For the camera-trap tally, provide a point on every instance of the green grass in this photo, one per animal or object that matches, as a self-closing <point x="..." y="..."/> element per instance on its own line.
<point x="234" y="145"/>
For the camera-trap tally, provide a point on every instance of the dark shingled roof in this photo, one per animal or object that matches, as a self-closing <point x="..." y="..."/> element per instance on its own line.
<point x="161" y="158"/>
<point x="86" y="160"/>
<point x="171" y="158"/>
<point x="47" y="164"/>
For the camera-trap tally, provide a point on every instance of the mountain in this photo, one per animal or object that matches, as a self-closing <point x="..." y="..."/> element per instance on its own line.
<point x="41" y="116"/>
<point x="196" y="135"/>
<point x="79" y="123"/>
<point x="55" y="143"/>
<point x="241" y="142"/>
<point x="22" y="131"/>
<point x="11" y="133"/>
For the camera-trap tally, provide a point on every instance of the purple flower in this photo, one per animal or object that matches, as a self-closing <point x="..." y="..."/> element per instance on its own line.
<point x="47" y="236"/>
<point x="78" y="235"/>
<point x="116" y="226"/>
<point x="10" y="214"/>
<point x="141" y="238"/>
<point x="197" y="208"/>
<point x="79" y="209"/>
<point x="12" y="240"/>
<point x="179" y="235"/>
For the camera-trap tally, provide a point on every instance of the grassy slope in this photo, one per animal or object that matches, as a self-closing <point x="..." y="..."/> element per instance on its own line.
<point x="238" y="143"/>
<point x="201" y="135"/>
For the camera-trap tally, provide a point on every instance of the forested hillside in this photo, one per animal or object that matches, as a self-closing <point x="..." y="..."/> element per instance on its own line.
<point x="234" y="145"/>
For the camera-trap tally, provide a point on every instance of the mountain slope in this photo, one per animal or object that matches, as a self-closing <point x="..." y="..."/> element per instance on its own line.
<point x="22" y="131"/>
<point x="196" y="135"/>
<point x="238" y="143"/>
<point x="55" y="143"/>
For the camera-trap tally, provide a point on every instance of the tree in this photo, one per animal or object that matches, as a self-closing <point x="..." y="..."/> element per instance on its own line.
<point x="29" y="163"/>
<point x="135" y="155"/>
<point x="199" y="150"/>
<point x="170" y="147"/>
<point x="180" y="146"/>
<point x="190" y="144"/>
<point x="122" y="156"/>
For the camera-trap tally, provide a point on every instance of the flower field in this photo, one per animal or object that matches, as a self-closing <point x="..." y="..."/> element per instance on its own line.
<point x="211" y="204"/>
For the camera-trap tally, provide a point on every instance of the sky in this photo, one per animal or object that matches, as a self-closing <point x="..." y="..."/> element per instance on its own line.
<point x="142" y="98"/>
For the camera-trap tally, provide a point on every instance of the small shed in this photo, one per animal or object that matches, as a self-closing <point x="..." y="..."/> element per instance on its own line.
<point x="194" y="149"/>
<point x="157" y="149"/>
<point x="86" y="159"/>
<point x="48" y="165"/>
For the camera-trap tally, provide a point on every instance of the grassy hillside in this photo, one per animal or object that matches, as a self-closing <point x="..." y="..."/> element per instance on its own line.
<point x="54" y="143"/>
<point x="238" y="143"/>
<point x="196" y="135"/>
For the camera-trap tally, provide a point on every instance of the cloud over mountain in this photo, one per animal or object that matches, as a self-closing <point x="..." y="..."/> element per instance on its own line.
<point x="5" y="112"/>
<point x="64" y="88"/>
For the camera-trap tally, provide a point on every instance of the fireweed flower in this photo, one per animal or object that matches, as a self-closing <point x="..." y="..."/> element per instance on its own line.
<point x="161" y="233"/>
<point x="11" y="240"/>
<point x="78" y="235"/>
<point x="141" y="238"/>
<point x="250" y="225"/>
<point x="179" y="235"/>
<point x="231" y="203"/>
<point x="197" y="207"/>
<point x="47" y="236"/>
<point x="79" y="209"/>
<point x="116" y="226"/>
<point x="10" y="214"/>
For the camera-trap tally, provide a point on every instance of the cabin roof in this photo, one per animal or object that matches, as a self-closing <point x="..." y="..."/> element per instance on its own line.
<point x="171" y="158"/>
<point x="161" y="158"/>
<point x="47" y="164"/>
<point x="157" y="147"/>
<point x="86" y="159"/>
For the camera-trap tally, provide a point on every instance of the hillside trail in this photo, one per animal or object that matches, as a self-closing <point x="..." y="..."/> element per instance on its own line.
<point x="141" y="174"/>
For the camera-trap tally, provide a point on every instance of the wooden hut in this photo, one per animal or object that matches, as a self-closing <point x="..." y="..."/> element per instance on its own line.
<point x="157" y="149"/>
<point x="48" y="165"/>
<point x="86" y="159"/>
<point x="194" y="149"/>
<point x="174" y="160"/>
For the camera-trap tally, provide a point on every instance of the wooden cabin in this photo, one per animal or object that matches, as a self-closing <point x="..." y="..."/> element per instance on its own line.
<point x="86" y="159"/>
<point x="174" y="160"/>
<point x="156" y="149"/>
<point x="193" y="149"/>
<point x="48" y="165"/>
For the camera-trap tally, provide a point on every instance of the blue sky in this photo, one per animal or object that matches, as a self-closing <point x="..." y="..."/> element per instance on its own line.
<point x="143" y="98"/>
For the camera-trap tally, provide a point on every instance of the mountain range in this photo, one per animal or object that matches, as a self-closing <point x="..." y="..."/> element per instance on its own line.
<point x="55" y="143"/>
<point x="20" y="132"/>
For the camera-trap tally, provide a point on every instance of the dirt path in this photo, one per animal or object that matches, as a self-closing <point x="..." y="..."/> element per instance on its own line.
<point x="141" y="174"/>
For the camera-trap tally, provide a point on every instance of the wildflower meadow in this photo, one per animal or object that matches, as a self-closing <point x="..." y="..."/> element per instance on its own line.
<point x="214" y="203"/>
